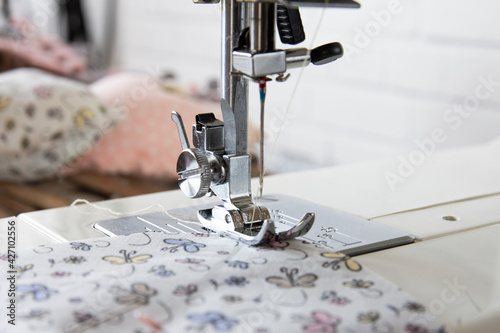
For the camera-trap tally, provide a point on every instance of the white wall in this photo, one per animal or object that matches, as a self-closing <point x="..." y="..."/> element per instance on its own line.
<point x="174" y="35"/>
<point x="101" y="25"/>
<point x="407" y="64"/>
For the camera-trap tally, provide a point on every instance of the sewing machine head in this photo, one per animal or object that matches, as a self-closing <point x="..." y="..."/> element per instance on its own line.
<point x="219" y="163"/>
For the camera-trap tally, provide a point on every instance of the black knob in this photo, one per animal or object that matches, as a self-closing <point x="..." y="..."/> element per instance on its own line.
<point x="326" y="53"/>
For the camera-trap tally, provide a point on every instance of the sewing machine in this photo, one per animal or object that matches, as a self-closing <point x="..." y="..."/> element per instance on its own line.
<point x="450" y="206"/>
<point x="219" y="163"/>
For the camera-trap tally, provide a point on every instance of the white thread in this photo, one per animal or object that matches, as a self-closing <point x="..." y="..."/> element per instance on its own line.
<point x="294" y="91"/>
<point x="118" y="214"/>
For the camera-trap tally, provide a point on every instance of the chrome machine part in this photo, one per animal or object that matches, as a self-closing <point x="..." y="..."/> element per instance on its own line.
<point x="180" y="128"/>
<point x="194" y="173"/>
<point x="219" y="163"/>
<point x="196" y="168"/>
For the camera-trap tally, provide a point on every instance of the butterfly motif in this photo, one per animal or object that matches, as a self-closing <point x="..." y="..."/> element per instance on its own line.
<point x="323" y="322"/>
<point x="217" y="320"/>
<point x="189" y="245"/>
<point x="161" y="270"/>
<point x="232" y="299"/>
<point x="237" y="264"/>
<point x="190" y="261"/>
<point x="238" y="281"/>
<point x="85" y="318"/>
<point x="127" y="258"/>
<point x="350" y="263"/>
<point x="366" y="288"/>
<point x="189" y="294"/>
<point x="291" y="279"/>
<point x="358" y="284"/>
<point x="332" y="298"/>
<point x="139" y="294"/>
<point x="409" y="306"/>
<point x="25" y="268"/>
<point x="80" y="246"/>
<point x="74" y="260"/>
<point x="40" y="292"/>
<point x="81" y="118"/>
<point x="60" y="274"/>
<point x="415" y="328"/>
<point x="369" y="317"/>
<point x="186" y="290"/>
<point x="414" y="307"/>
<point x="195" y="264"/>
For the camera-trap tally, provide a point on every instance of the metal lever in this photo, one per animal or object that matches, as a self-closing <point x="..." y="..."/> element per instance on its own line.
<point x="193" y="167"/>
<point x="182" y="131"/>
<point x="326" y="53"/>
<point x="301" y="57"/>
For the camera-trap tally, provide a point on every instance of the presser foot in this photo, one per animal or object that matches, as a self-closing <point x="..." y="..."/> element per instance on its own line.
<point x="243" y="226"/>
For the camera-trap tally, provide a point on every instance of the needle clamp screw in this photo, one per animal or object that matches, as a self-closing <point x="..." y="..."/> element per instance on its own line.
<point x="194" y="173"/>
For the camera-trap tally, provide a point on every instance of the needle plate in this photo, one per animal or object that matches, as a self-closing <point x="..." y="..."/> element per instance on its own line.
<point x="332" y="229"/>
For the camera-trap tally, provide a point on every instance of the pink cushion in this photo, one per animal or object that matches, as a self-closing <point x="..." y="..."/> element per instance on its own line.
<point x="146" y="142"/>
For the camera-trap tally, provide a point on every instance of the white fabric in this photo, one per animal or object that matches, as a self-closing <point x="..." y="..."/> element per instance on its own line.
<point x="204" y="283"/>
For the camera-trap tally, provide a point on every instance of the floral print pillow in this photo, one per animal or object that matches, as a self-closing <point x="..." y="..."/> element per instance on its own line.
<point x="46" y="122"/>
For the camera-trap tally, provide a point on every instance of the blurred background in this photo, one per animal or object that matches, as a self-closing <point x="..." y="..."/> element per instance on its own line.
<point x="407" y="65"/>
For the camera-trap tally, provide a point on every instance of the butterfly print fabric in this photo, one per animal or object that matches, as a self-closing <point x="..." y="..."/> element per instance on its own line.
<point x="154" y="282"/>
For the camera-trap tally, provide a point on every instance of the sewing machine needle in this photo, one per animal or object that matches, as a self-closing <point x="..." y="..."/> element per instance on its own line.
<point x="262" y="90"/>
